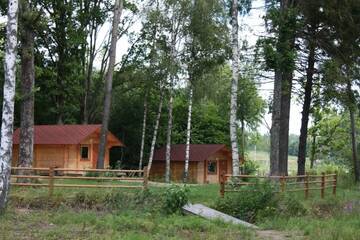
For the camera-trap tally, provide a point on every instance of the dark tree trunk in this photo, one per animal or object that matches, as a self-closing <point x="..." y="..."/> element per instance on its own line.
<point x="306" y="110"/>
<point x="27" y="90"/>
<point x="242" y="140"/>
<point x="108" y="84"/>
<point x="279" y="133"/>
<point x="313" y="151"/>
<point x="353" y="132"/>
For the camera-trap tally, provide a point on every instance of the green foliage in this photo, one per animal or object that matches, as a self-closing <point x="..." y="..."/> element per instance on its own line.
<point x="247" y="204"/>
<point x="175" y="197"/>
<point x="249" y="167"/>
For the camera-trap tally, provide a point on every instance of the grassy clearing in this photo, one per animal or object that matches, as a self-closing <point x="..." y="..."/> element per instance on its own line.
<point x="132" y="214"/>
<point x="263" y="159"/>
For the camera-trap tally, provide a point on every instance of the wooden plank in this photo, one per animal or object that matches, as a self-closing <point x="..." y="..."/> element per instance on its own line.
<point x="96" y="186"/>
<point x="212" y="214"/>
<point x="30" y="184"/>
<point x="29" y="168"/>
<point x="30" y="176"/>
<point x="131" y="179"/>
<point x="98" y="170"/>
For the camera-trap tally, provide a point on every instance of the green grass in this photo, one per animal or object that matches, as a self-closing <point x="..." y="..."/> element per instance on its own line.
<point x="263" y="159"/>
<point x="86" y="214"/>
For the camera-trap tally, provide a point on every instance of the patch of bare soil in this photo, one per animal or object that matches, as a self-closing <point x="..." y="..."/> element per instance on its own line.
<point x="277" y="235"/>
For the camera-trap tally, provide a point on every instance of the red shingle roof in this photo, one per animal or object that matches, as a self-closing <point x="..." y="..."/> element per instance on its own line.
<point x="59" y="134"/>
<point x="198" y="152"/>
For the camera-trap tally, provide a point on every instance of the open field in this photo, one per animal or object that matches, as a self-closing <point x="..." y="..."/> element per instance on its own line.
<point x="133" y="214"/>
<point x="263" y="159"/>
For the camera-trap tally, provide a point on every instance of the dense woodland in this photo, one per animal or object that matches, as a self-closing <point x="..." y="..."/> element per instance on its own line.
<point x="188" y="76"/>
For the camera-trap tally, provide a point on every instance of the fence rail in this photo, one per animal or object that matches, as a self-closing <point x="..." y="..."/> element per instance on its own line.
<point x="303" y="183"/>
<point x="52" y="174"/>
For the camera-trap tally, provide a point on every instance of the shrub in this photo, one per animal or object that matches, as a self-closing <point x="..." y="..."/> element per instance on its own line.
<point x="249" y="167"/>
<point x="175" y="197"/>
<point x="92" y="174"/>
<point x="289" y="206"/>
<point x="246" y="205"/>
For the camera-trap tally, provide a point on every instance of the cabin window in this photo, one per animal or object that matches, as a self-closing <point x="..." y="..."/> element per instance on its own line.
<point x="212" y="167"/>
<point x="84" y="152"/>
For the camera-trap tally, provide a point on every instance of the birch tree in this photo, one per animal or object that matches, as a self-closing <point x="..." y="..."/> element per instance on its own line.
<point x="205" y="48"/>
<point x="143" y="132"/>
<point x="234" y="88"/>
<point x="108" y="84"/>
<point x="8" y="102"/>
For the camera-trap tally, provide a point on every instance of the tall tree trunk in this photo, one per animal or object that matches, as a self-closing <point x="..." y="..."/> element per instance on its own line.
<point x="188" y="135"/>
<point x="279" y="133"/>
<point x="306" y="110"/>
<point x="156" y="127"/>
<point x="27" y="90"/>
<point x="170" y="108"/>
<point x="108" y="84"/>
<point x="234" y="88"/>
<point x="242" y="140"/>
<point x="168" y="137"/>
<point x="353" y="133"/>
<point x="143" y="133"/>
<point x="8" y="102"/>
<point x="313" y="151"/>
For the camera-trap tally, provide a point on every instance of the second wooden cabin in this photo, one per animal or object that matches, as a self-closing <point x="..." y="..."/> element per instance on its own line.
<point x="206" y="162"/>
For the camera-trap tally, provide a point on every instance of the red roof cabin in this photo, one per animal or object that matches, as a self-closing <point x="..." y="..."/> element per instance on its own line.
<point x="206" y="162"/>
<point x="66" y="146"/>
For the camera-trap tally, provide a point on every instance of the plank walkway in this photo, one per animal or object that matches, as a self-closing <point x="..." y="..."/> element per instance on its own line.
<point x="209" y="213"/>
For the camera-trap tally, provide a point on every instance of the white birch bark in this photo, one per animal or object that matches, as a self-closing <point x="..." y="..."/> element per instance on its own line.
<point x="170" y="108"/>
<point x="8" y="102"/>
<point x="234" y="88"/>
<point x="168" y="137"/>
<point x="156" y="127"/>
<point x="108" y="83"/>
<point x="188" y="136"/>
<point x="143" y="134"/>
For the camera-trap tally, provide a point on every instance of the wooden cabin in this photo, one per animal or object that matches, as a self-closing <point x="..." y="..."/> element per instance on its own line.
<point x="66" y="146"/>
<point x="206" y="162"/>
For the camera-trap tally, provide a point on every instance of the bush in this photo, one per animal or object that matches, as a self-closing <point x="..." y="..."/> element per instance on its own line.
<point x="290" y="206"/>
<point x="175" y="197"/>
<point x="249" y="167"/>
<point x="246" y="205"/>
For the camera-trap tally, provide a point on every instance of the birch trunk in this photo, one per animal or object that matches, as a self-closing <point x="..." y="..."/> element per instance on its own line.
<point x="188" y="136"/>
<point x="313" y="151"/>
<point x="234" y="88"/>
<point x="170" y="107"/>
<point x="8" y="102"/>
<point x="156" y="127"/>
<point x="168" y="137"/>
<point x="27" y="87"/>
<point x="306" y="110"/>
<point x="108" y="84"/>
<point x="143" y="134"/>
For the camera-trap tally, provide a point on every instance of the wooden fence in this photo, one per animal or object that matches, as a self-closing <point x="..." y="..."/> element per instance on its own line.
<point x="127" y="178"/>
<point x="304" y="183"/>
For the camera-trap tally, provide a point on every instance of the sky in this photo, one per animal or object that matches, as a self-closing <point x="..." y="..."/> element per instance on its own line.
<point x="251" y="27"/>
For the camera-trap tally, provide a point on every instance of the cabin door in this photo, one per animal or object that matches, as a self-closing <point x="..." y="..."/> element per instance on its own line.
<point x="95" y="155"/>
<point x="222" y="167"/>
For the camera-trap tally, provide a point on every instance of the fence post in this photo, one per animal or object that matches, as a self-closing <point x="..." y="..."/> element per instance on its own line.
<point x="334" y="184"/>
<point x="307" y="186"/>
<point x="222" y="184"/>
<point x="146" y="177"/>
<point x="51" y="181"/>
<point x="282" y="183"/>
<point x="322" y="185"/>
